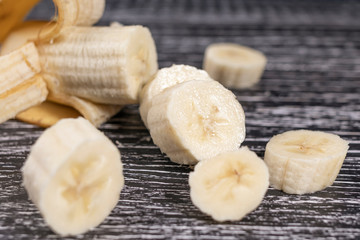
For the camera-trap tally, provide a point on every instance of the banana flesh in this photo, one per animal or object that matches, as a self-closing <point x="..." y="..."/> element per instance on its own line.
<point x="233" y="65"/>
<point x="105" y="65"/>
<point x="230" y="185"/>
<point x="21" y="86"/>
<point x="304" y="161"/>
<point x="165" y="78"/>
<point x="196" y="120"/>
<point x="73" y="174"/>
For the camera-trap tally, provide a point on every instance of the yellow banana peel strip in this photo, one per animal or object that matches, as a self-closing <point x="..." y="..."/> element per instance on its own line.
<point x="12" y="12"/>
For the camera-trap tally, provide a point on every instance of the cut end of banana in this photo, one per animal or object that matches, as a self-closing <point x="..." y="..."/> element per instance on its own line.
<point x="165" y="78"/>
<point x="304" y="161"/>
<point x="73" y="174"/>
<point x="196" y="120"/>
<point x="230" y="185"/>
<point x="233" y="65"/>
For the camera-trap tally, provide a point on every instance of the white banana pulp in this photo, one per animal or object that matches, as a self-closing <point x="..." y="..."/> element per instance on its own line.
<point x="304" y="161"/>
<point x="73" y="174"/>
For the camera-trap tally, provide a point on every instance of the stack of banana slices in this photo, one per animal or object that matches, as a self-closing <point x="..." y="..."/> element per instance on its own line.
<point x="85" y="70"/>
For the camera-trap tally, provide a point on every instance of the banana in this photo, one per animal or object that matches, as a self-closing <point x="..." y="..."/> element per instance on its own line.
<point x="233" y="65"/>
<point x="230" y="185"/>
<point x="165" y="78"/>
<point x="304" y="161"/>
<point x="74" y="176"/>
<point x="196" y="120"/>
<point x="105" y="65"/>
<point x="12" y="13"/>
<point x="49" y="113"/>
<point x="21" y="86"/>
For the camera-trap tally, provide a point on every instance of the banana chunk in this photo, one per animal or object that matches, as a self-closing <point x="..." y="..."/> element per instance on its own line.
<point x="233" y="65"/>
<point x="21" y="86"/>
<point x="107" y="65"/>
<point x="165" y="78"/>
<point x="74" y="176"/>
<point x="230" y="185"/>
<point x="196" y="120"/>
<point x="304" y="161"/>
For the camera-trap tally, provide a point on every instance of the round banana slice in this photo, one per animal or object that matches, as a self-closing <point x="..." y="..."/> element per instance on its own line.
<point x="196" y="120"/>
<point x="233" y="65"/>
<point x="304" y="161"/>
<point x="230" y="185"/>
<point x="73" y="174"/>
<point x="165" y="78"/>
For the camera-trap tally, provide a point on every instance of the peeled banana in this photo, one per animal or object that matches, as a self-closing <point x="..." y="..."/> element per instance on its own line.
<point x="165" y="78"/>
<point x="74" y="176"/>
<point x="21" y="86"/>
<point x="102" y="64"/>
<point x="196" y="120"/>
<point x="230" y="185"/>
<point x="233" y="65"/>
<point x="304" y="161"/>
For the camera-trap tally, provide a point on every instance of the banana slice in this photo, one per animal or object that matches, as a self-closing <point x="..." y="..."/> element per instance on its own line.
<point x="165" y="78"/>
<point x="230" y="185"/>
<point x="105" y="65"/>
<point x="20" y="85"/>
<point x="12" y="13"/>
<point x="233" y="65"/>
<point x="304" y="161"/>
<point x="73" y="174"/>
<point x="196" y="120"/>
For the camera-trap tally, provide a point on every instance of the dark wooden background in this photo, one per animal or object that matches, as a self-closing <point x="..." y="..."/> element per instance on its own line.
<point x="312" y="81"/>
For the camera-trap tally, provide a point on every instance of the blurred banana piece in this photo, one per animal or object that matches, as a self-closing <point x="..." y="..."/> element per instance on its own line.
<point x="165" y="78"/>
<point x="106" y="65"/>
<point x="13" y="12"/>
<point x="304" y="161"/>
<point x="233" y="65"/>
<point x="230" y="185"/>
<point x="21" y="86"/>
<point x="74" y="176"/>
<point x="196" y="120"/>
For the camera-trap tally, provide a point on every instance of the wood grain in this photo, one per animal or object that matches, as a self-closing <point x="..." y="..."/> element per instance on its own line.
<point x="311" y="81"/>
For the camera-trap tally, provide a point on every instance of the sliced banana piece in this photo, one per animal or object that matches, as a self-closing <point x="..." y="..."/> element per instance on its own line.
<point x="105" y="65"/>
<point x="20" y="85"/>
<point x="233" y="65"/>
<point x="230" y="185"/>
<point x="74" y="176"/>
<point x="304" y="161"/>
<point x="196" y="120"/>
<point x="165" y="78"/>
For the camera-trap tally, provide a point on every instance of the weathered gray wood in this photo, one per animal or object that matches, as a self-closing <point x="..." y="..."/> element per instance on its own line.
<point x="312" y="81"/>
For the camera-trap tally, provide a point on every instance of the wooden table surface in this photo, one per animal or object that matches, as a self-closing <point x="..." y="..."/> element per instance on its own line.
<point x="312" y="81"/>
